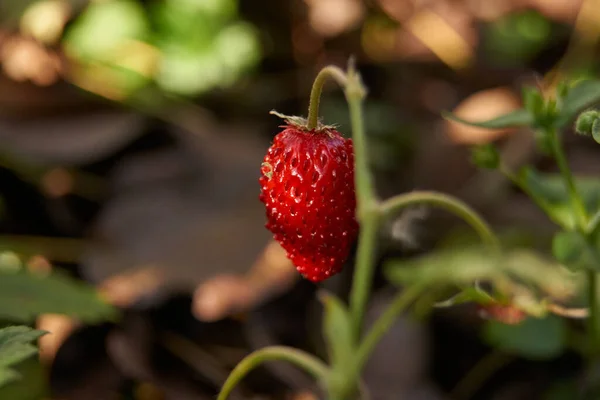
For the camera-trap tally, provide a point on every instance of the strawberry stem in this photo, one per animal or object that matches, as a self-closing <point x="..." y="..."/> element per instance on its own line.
<point x="315" y="94"/>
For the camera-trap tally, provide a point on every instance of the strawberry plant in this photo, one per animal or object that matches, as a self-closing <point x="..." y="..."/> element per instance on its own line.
<point x="521" y="290"/>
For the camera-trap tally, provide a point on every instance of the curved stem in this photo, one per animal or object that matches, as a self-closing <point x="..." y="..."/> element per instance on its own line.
<point x="385" y="322"/>
<point x="449" y="203"/>
<point x="307" y="362"/>
<point x="315" y="93"/>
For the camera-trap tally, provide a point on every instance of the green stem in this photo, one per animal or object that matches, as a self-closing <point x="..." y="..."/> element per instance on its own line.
<point x="582" y="219"/>
<point x="448" y="203"/>
<point x="363" y="273"/>
<point x="561" y="161"/>
<point x="385" y="322"/>
<point x="315" y="94"/>
<point x="307" y="362"/>
<point x="367" y="210"/>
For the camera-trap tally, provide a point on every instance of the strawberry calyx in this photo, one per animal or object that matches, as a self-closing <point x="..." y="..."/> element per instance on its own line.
<point x="301" y="123"/>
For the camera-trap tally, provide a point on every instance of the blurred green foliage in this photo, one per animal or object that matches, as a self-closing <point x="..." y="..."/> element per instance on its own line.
<point x="515" y="38"/>
<point x="16" y="347"/>
<point x="185" y="47"/>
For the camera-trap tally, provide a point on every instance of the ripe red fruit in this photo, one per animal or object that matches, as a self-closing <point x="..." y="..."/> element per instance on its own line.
<point x="307" y="186"/>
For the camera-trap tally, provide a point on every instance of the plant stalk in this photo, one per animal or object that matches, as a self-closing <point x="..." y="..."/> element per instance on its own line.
<point x="367" y="210"/>
<point x="305" y="361"/>
<point x="565" y="171"/>
<point x="448" y="203"/>
<point x="385" y="322"/>
<point x="315" y="94"/>
<point x="363" y="272"/>
<point x="582" y="220"/>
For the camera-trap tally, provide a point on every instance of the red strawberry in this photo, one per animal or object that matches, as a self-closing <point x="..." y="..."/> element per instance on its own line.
<point x="307" y="186"/>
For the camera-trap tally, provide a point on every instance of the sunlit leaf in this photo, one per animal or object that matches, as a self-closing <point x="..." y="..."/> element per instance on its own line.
<point x="533" y="338"/>
<point x="513" y="119"/>
<point x="104" y="26"/>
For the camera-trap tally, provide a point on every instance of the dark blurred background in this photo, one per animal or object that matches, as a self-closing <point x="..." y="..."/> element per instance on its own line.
<point x="131" y="134"/>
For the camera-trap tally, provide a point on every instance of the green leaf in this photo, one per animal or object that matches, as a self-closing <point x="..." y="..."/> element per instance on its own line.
<point x="8" y="376"/>
<point x="15" y="347"/>
<point x="337" y="331"/>
<point x="596" y="131"/>
<point x="463" y="266"/>
<point x="24" y="296"/>
<point x="31" y="383"/>
<point x="533" y="101"/>
<point x="550" y="194"/>
<point x="485" y="156"/>
<point x="533" y="338"/>
<point x="511" y="120"/>
<point x="574" y="251"/>
<point x="104" y="26"/>
<point x="469" y="294"/>
<point x="460" y="266"/>
<point x="582" y="95"/>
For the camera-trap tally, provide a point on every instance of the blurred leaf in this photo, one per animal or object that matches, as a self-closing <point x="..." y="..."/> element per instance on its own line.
<point x="203" y="45"/>
<point x="220" y="9"/>
<point x="533" y="101"/>
<point x="511" y="120"/>
<point x="582" y="95"/>
<point x="7" y="376"/>
<point x="237" y="47"/>
<point x="15" y="347"/>
<point x="596" y="131"/>
<point x="573" y="250"/>
<point x="104" y="26"/>
<point x="24" y="296"/>
<point x="550" y="193"/>
<point x="533" y="338"/>
<point x="337" y="332"/>
<point x="516" y="38"/>
<point x="485" y="156"/>
<point x="468" y="295"/>
<point x="465" y="265"/>
<point x="32" y="385"/>
<point x="459" y="266"/>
